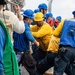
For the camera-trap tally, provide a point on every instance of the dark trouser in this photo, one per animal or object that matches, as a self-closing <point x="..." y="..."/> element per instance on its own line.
<point x="65" y="58"/>
<point x="28" y="62"/>
<point x="34" y="48"/>
<point x="39" y="54"/>
<point x="2" y="72"/>
<point x="46" y="63"/>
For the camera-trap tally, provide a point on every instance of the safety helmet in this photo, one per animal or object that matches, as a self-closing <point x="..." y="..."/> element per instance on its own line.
<point x="36" y="10"/>
<point x="73" y="12"/>
<point x="49" y="15"/>
<point x="28" y="13"/>
<point x="42" y="6"/>
<point x="2" y="2"/>
<point x="39" y="17"/>
<point x="59" y="18"/>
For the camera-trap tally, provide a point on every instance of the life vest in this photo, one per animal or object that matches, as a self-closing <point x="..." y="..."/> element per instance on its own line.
<point x="9" y="56"/>
<point x="68" y="33"/>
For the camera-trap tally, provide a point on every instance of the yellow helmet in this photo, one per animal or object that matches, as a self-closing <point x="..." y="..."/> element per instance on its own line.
<point x="39" y="17"/>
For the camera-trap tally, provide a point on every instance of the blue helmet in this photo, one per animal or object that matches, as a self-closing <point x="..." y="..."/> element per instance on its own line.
<point x="42" y="6"/>
<point x="36" y="10"/>
<point x="28" y="13"/>
<point x="73" y="12"/>
<point x="49" y="15"/>
<point x="59" y="18"/>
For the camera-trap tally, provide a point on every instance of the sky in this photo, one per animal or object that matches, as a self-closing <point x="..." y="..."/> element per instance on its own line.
<point x="61" y="8"/>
